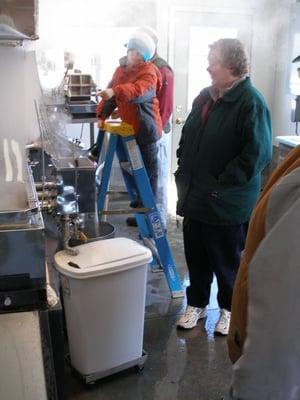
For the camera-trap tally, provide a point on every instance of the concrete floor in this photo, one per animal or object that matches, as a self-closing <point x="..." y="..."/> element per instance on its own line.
<point x="181" y="365"/>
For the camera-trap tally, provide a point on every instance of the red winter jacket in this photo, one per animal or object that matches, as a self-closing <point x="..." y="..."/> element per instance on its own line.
<point x="165" y="95"/>
<point x="135" y="88"/>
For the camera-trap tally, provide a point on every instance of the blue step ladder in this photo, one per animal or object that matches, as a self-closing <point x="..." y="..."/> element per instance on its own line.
<point x="122" y="142"/>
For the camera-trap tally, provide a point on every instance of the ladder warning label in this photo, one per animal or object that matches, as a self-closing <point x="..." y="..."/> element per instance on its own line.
<point x="156" y="225"/>
<point x="171" y="272"/>
<point x="134" y="154"/>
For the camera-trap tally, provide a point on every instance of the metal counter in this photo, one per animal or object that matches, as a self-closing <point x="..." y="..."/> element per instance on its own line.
<point x="22" y="248"/>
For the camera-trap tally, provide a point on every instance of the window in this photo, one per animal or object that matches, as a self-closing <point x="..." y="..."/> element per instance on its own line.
<point x="199" y="40"/>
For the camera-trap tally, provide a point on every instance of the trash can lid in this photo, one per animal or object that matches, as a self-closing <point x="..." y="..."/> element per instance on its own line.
<point x="102" y="257"/>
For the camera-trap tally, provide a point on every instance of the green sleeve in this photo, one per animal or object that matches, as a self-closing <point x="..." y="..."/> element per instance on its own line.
<point x="257" y="148"/>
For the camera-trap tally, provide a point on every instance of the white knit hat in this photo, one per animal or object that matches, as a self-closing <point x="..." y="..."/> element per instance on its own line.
<point x="151" y="32"/>
<point x="142" y="43"/>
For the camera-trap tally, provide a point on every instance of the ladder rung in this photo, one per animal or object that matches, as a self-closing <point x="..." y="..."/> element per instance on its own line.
<point x="140" y="210"/>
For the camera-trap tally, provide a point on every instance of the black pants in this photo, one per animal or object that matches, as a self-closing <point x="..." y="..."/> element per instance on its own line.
<point x="149" y="153"/>
<point x="212" y="249"/>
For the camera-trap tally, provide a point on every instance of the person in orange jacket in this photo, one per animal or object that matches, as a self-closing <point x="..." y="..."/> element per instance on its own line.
<point x="256" y="235"/>
<point x="165" y="98"/>
<point x="132" y="90"/>
<point x="264" y="339"/>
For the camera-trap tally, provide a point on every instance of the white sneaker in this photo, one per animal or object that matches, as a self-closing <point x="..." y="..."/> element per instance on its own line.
<point x="222" y="326"/>
<point x="191" y="316"/>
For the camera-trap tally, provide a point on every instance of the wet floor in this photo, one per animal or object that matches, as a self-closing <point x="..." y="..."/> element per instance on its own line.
<point x="181" y="365"/>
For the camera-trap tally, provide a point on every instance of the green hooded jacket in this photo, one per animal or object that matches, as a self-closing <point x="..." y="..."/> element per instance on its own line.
<point x="220" y="160"/>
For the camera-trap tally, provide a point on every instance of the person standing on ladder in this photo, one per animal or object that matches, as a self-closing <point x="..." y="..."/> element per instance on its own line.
<point x="165" y="98"/>
<point x="132" y="90"/>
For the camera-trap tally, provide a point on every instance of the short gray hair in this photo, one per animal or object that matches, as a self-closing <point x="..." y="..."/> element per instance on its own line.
<point x="233" y="55"/>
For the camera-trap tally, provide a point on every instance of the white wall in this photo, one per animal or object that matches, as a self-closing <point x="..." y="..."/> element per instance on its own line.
<point x="281" y="108"/>
<point x="270" y="61"/>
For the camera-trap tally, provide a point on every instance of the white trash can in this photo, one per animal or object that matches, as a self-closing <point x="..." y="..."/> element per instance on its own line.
<point x="104" y="289"/>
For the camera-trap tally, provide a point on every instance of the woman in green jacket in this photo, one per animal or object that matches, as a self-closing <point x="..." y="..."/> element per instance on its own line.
<point x="225" y="144"/>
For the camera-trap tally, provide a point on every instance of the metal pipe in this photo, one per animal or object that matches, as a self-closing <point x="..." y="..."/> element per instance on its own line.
<point x="42" y="145"/>
<point x="48" y="185"/>
<point x="47" y="194"/>
<point x="67" y="235"/>
<point x="48" y="205"/>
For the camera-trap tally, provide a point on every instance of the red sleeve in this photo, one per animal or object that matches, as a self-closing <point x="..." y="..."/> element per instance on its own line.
<point x="106" y="107"/>
<point x="165" y="95"/>
<point x="144" y="83"/>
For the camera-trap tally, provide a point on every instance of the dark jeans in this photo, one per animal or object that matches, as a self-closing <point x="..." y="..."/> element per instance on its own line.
<point x="212" y="249"/>
<point x="149" y="154"/>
